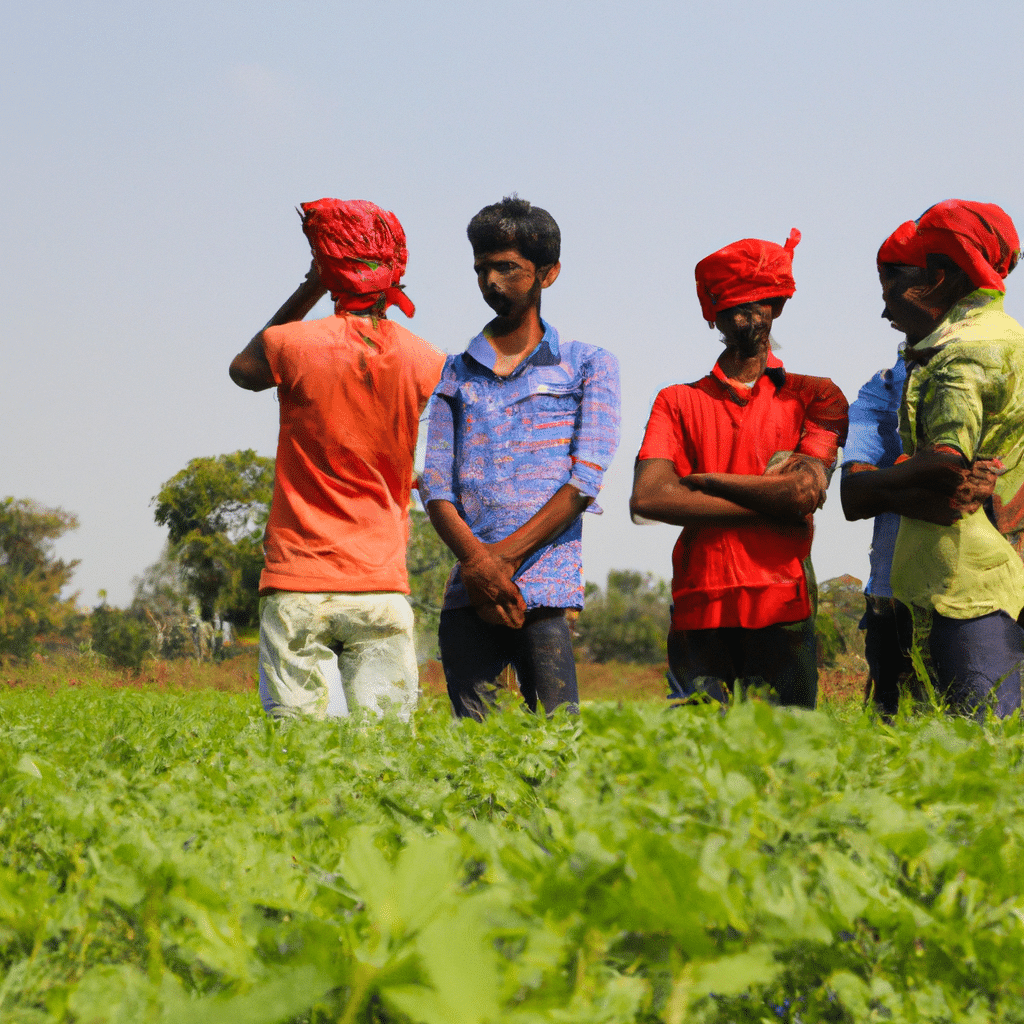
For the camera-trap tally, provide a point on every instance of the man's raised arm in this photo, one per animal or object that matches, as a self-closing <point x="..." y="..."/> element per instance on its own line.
<point x="250" y="369"/>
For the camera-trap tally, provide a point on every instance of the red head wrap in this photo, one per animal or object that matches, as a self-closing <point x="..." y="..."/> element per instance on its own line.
<point x="978" y="237"/>
<point x="750" y="270"/>
<point x="360" y="252"/>
<point x="904" y="247"/>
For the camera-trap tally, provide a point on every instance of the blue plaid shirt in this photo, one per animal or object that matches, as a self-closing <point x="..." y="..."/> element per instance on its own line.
<point x="498" y="448"/>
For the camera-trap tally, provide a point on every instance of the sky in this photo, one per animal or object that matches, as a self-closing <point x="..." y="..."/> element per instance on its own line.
<point x="154" y="156"/>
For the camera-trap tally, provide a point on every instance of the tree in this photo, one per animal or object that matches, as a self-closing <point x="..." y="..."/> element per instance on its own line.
<point x="215" y="511"/>
<point x="31" y="578"/>
<point x="628" y="621"/>
<point x="837" y="625"/>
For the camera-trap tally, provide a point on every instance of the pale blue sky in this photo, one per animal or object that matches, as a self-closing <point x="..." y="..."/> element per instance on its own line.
<point x="153" y="157"/>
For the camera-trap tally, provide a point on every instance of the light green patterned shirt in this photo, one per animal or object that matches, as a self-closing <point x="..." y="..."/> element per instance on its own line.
<point x="967" y="394"/>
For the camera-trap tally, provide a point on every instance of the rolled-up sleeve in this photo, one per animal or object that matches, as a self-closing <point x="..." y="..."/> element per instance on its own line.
<point x="438" y="481"/>
<point x="597" y="433"/>
<point x="951" y="412"/>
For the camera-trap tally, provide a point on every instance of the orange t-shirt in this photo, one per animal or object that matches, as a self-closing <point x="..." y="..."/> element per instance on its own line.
<point x="351" y="396"/>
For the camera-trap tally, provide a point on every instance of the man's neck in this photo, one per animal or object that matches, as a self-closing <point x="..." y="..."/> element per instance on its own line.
<point x="513" y="342"/>
<point x="743" y="368"/>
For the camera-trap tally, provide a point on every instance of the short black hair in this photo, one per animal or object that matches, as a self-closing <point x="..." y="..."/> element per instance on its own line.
<point x="515" y="224"/>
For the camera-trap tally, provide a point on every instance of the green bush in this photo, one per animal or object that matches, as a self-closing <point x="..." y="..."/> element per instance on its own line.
<point x="121" y="637"/>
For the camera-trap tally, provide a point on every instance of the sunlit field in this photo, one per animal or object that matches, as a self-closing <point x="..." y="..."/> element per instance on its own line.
<point x="169" y="854"/>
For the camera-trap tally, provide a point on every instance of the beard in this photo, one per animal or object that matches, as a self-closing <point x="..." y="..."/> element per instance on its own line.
<point x="749" y="339"/>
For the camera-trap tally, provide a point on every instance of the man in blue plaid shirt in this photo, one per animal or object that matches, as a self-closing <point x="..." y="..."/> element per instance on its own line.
<point x="522" y="427"/>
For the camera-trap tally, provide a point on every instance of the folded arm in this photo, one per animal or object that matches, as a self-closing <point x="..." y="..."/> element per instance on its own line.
<point x="934" y="486"/>
<point x="787" y="496"/>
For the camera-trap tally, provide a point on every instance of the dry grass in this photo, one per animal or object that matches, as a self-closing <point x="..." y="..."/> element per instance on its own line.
<point x="842" y="685"/>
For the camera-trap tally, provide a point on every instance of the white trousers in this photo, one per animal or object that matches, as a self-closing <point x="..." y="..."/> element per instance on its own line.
<point x="324" y="654"/>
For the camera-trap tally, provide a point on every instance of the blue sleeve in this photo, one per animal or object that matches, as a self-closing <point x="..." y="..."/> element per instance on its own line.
<point x="438" y="481"/>
<point x="597" y="434"/>
<point x="874" y="437"/>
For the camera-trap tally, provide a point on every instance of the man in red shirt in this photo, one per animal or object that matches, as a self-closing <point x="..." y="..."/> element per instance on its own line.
<point x="335" y="626"/>
<point x="740" y="459"/>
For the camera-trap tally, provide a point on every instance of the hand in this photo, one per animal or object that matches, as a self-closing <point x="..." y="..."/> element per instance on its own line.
<point x="978" y="484"/>
<point x="929" y="506"/>
<point x="488" y="581"/>
<point x="817" y="483"/>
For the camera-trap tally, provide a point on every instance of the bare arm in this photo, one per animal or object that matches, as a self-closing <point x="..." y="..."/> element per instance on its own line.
<point x="488" y="579"/>
<point x="487" y="569"/>
<point x="932" y="486"/>
<point x="790" y="493"/>
<point x="723" y="499"/>
<point x="659" y="493"/>
<point x="250" y="369"/>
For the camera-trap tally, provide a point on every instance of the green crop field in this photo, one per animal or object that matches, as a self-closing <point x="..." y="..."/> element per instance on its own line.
<point x="168" y="855"/>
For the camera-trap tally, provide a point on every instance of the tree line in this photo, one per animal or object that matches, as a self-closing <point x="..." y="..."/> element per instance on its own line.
<point x="204" y="586"/>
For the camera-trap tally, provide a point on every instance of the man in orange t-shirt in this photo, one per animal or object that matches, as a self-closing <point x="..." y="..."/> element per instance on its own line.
<point x="740" y="460"/>
<point x="335" y="625"/>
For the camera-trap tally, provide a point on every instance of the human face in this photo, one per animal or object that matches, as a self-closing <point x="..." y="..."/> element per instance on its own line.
<point x="746" y="328"/>
<point x="509" y="282"/>
<point x="906" y="307"/>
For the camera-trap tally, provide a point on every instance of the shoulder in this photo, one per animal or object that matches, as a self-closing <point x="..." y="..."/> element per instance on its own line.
<point x="578" y="353"/>
<point x="814" y="388"/>
<point x="681" y="398"/>
<point x="414" y="348"/>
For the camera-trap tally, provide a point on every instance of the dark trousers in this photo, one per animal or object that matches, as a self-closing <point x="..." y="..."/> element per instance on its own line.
<point x="978" y="662"/>
<point x="888" y="635"/>
<point x="474" y="653"/>
<point x="782" y="658"/>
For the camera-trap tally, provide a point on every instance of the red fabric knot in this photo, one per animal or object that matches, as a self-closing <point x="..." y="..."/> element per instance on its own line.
<point x="360" y="252"/>
<point x="750" y="270"/>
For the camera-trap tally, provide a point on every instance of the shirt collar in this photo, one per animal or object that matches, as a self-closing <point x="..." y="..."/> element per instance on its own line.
<point x="981" y="300"/>
<point x="774" y="371"/>
<point x="545" y="354"/>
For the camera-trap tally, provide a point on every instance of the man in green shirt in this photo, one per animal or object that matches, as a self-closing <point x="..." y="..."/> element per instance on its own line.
<point x="963" y="409"/>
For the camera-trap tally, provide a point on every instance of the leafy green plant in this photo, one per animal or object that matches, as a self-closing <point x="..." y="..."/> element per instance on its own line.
<point x="178" y="857"/>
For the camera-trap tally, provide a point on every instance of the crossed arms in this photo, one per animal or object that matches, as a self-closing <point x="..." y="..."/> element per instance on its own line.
<point x="784" y="495"/>
<point x="937" y="486"/>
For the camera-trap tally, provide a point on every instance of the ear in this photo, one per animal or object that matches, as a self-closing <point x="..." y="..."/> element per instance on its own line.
<point x="549" y="276"/>
<point x="777" y="306"/>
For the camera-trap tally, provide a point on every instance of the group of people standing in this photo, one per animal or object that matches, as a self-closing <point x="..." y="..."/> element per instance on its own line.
<point x="523" y="424"/>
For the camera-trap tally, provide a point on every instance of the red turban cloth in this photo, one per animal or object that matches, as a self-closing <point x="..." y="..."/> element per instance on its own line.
<point x="978" y="237"/>
<point x="904" y="247"/>
<point x="750" y="270"/>
<point x="360" y="253"/>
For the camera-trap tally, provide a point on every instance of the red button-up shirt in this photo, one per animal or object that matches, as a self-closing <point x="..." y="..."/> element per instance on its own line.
<point x="750" y="576"/>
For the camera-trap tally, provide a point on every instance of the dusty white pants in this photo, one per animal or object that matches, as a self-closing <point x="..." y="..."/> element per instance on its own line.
<point x="324" y="654"/>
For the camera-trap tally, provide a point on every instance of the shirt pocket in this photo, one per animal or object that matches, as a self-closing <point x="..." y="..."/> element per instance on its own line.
<point x="547" y="404"/>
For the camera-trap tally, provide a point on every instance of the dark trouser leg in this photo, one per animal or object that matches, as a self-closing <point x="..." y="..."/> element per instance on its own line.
<point x="978" y="662"/>
<point x="785" y="658"/>
<point x="544" y="660"/>
<point x="700" y="661"/>
<point x="888" y="634"/>
<point x="782" y="657"/>
<point x="473" y="654"/>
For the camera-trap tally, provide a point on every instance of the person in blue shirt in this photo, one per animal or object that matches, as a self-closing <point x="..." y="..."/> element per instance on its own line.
<point x="522" y="428"/>
<point x="874" y="441"/>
